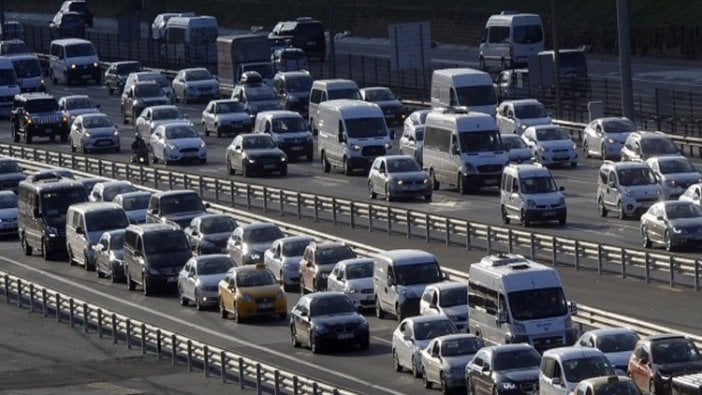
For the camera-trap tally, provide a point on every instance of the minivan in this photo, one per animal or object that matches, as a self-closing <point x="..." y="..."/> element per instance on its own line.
<point x="9" y="86"/>
<point x="29" y="74"/>
<point x="352" y="133"/>
<point x="73" y="59"/>
<point x="509" y="39"/>
<point x="529" y="193"/>
<point x="463" y="87"/>
<point x="626" y="188"/>
<point x="323" y="90"/>
<point x="85" y="223"/>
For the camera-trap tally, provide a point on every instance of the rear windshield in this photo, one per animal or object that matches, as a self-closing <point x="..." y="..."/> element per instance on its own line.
<point x="263" y="235"/>
<point x="78" y="7"/>
<point x="8" y="200"/>
<point x="478" y="95"/>
<point x="148" y="90"/>
<point x="76" y="103"/>
<point x="136" y="202"/>
<point x="295" y="248"/>
<point x="299" y="84"/>
<point x="13" y="48"/>
<point x="217" y="225"/>
<point x="198" y="75"/>
<point x="127" y="68"/>
<point x="214" y="266"/>
<point x="8" y="166"/>
<point x="327" y="256"/>
<point x="617" y="342"/>
<point x="350" y="93"/>
<point x="181" y="203"/>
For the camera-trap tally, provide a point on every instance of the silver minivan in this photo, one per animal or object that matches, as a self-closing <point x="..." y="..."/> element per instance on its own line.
<point x="85" y="223"/>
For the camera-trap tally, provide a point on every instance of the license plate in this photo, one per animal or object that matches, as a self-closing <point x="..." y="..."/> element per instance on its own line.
<point x="191" y="154"/>
<point x="103" y="142"/>
<point x="549" y="213"/>
<point x="172" y="279"/>
<point x="265" y="305"/>
<point x="560" y="157"/>
<point x="296" y="148"/>
<point x="389" y="115"/>
<point x="491" y="181"/>
<point x="345" y="336"/>
<point x="269" y="166"/>
<point x="369" y="297"/>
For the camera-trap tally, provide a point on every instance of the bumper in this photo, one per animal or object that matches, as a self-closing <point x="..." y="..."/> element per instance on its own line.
<point x="552" y="158"/>
<point x="291" y="277"/>
<point x="636" y="208"/>
<point x="85" y="73"/>
<point x="293" y="150"/>
<point x="411" y="190"/>
<point x="347" y="338"/>
<point x="363" y="300"/>
<point x="266" y="168"/>
<point x="546" y="215"/>
<point x="612" y="151"/>
<point x="686" y="238"/>
<point x="98" y="143"/>
<point x="672" y="193"/>
<point x="455" y="380"/>
<point x="178" y="156"/>
<point x="162" y="281"/>
<point x="483" y="179"/>
<point x="8" y="227"/>
<point x="247" y="310"/>
<point x="205" y="96"/>
<point x="207" y="298"/>
<point x="361" y="162"/>
<point x="48" y="129"/>
<point x="239" y="127"/>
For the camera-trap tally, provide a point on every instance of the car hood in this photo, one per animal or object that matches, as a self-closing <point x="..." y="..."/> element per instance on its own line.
<point x="643" y="191"/>
<point x="410" y="176"/>
<point x="82" y="111"/>
<point x="458" y="361"/>
<point x="292" y="136"/>
<point x="680" y="368"/>
<point x="153" y="101"/>
<point x="519" y="375"/>
<point x="535" y="121"/>
<point x="190" y="142"/>
<point x="169" y="263"/>
<point x="456" y="311"/>
<point x="234" y="116"/>
<point x="545" y="198"/>
<point x="389" y="104"/>
<point x="686" y="222"/>
<point x="182" y="219"/>
<point x="137" y="216"/>
<point x="264" y="105"/>
<point x="617" y="137"/>
<point x="12" y="177"/>
<point x="106" y="131"/>
<point x="203" y="84"/>
<point x="8" y="213"/>
<point x="557" y="144"/>
<point x="259" y="248"/>
<point x="217" y="238"/>
<point x="258" y="153"/>
<point x="519" y="154"/>
<point x="332" y="319"/>
<point x="210" y="280"/>
<point x="684" y="179"/>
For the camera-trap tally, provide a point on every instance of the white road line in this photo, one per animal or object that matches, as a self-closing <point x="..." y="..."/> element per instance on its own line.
<point x="200" y="328"/>
<point x="329" y="179"/>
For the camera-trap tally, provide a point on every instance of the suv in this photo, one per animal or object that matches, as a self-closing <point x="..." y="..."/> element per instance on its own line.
<point x="317" y="262"/>
<point x="139" y="96"/>
<point x="530" y="193"/>
<point x="117" y="73"/>
<point x="37" y="115"/>
<point x="177" y="207"/>
<point x="657" y="359"/>
<point x="629" y="188"/>
<point x="644" y="145"/>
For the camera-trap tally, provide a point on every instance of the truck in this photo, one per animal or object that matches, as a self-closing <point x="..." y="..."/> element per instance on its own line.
<point x="238" y="54"/>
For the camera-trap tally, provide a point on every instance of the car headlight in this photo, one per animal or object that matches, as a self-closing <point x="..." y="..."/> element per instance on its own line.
<point x="172" y="146"/>
<point x="531" y="203"/>
<point x="522" y="127"/>
<point x="508" y="386"/>
<point x="575" y="146"/>
<point x="628" y="192"/>
<point x="610" y="141"/>
<point x="388" y="146"/>
<point x="116" y="133"/>
<point x="29" y="120"/>
<point x="320" y="328"/>
<point x="153" y="271"/>
<point x="73" y="66"/>
<point x="356" y="147"/>
<point x="202" y="144"/>
<point x="88" y="134"/>
<point x="52" y="231"/>
<point x="679" y="230"/>
<point x="400" y="182"/>
<point x="542" y="148"/>
<point x="64" y="119"/>
<point x="251" y="160"/>
<point x="671" y="183"/>
<point x="426" y="181"/>
<point x="246" y="298"/>
<point x="283" y="159"/>
<point x="469" y="168"/>
<point x="561" y="201"/>
<point x="350" y="290"/>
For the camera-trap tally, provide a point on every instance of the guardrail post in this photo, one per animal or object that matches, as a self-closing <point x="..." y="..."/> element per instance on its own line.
<point x="697" y="275"/>
<point x="201" y="186"/>
<point x="170" y="180"/>
<point x="259" y="388"/>
<point x="298" y="200"/>
<point x="58" y="307"/>
<point x="241" y="373"/>
<point x="223" y="366"/>
<point x="157" y="178"/>
<point x="276" y="382"/>
<point x="248" y="197"/>
<point x="388" y="213"/>
<point x="509" y="240"/>
<point x="468" y="230"/>
<point x="205" y="361"/>
<point x="113" y="322"/>
<point x="334" y="211"/>
<point x="315" y="388"/>
<point x="647" y="268"/>
<point x="71" y="312"/>
<point x="190" y="356"/>
<point x="143" y="338"/>
<point x="158" y="344"/>
<point x="31" y="297"/>
<point x="577" y="255"/>
<point x="599" y="259"/>
<point x="265" y="199"/>
<point x="408" y="222"/>
<point x="623" y="258"/>
<point x="7" y="288"/>
<point x="232" y="194"/>
<point x="174" y="349"/>
<point x="19" y="293"/>
<point x="141" y="174"/>
<point x="99" y="323"/>
<point x="532" y="246"/>
<point x="370" y="217"/>
<point x="316" y="208"/>
<point x="281" y="200"/>
<point x="671" y="270"/>
<point x="85" y="318"/>
<point x="216" y="189"/>
<point x="129" y="334"/>
<point x="295" y="386"/>
<point x="489" y="240"/>
<point x="447" y="224"/>
<point x="352" y="214"/>
<point x="554" y="250"/>
<point x="427" y="227"/>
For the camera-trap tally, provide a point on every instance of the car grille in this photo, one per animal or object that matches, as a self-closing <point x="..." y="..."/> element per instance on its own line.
<point x="185" y="150"/>
<point x="367" y="291"/>
<point x="8" y="219"/>
<point x="345" y="327"/>
<point x="210" y="288"/>
<point x="546" y="206"/>
<point x="268" y="159"/>
<point x="265" y="300"/>
<point x="490" y="168"/>
<point x="373" y="150"/>
<point x="560" y="150"/>
<point x="46" y="119"/>
<point x="543" y="343"/>
<point x="169" y="271"/>
<point x="411" y="306"/>
<point x="648" y="199"/>
<point x="204" y="89"/>
<point x="528" y="387"/>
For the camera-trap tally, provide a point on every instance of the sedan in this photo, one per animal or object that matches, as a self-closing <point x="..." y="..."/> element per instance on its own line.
<point x="94" y="132"/>
<point x="116" y="74"/>
<point x="255" y="152"/>
<point x="412" y="140"/>
<point x="251" y="291"/>
<point x="675" y="174"/>
<point x="413" y="335"/>
<point x="605" y="137"/>
<point x="283" y="259"/>
<point x="109" y="257"/>
<point x="8" y="213"/>
<point x="195" y="84"/>
<point x="198" y="280"/>
<point x="225" y="116"/>
<point x="508" y="368"/>
<point x="445" y="358"/>
<point x="672" y="223"/>
<point x="392" y="107"/>
<point x="154" y="116"/>
<point x="517" y="150"/>
<point x="326" y="319"/>
<point x="248" y="243"/>
<point x="174" y="142"/>
<point x="551" y="145"/>
<point x="75" y="105"/>
<point x="398" y="176"/>
<point x="208" y="234"/>
<point x="616" y="344"/>
<point x="354" y="277"/>
<point x="134" y="204"/>
<point x="693" y="194"/>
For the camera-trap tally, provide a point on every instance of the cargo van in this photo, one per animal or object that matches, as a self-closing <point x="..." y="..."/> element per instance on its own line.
<point x="463" y="149"/>
<point x="323" y="90"/>
<point x="509" y="39"/>
<point x="9" y="86"/>
<point x="512" y="299"/>
<point x="29" y="74"/>
<point x="85" y="223"/>
<point x="73" y="59"/>
<point x="352" y="133"/>
<point x="191" y="39"/>
<point x="463" y="87"/>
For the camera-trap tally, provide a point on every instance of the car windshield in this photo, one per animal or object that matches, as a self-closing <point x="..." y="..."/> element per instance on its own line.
<point x="672" y="166"/>
<point x="9" y="166"/>
<point x="539" y="303"/>
<point x="198" y="75"/>
<point x="157" y="78"/>
<point x="483" y="141"/>
<point x="27" y="68"/>
<point x="181" y="203"/>
<point x="106" y="220"/>
<point x="8" y="200"/>
<point x="77" y="6"/>
<point x="260" y="93"/>
<point x="258" y="142"/>
<point x="420" y="273"/>
<point x="359" y="270"/>
<point x="461" y="346"/>
<point x="97" y="122"/>
<point x="15" y="48"/>
<point x="165" y="242"/>
<point x="71" y="21"/>
<point x="419" y="134"/>
<point x="181" y="132"/>
<point x="41" y="105"/>
<point x="228" y="107"/>
<point x="366" y="127"/>
<point x="374" y="95"/>
<point x="326" y="305"/>
<point x="289" y="125"/>
<point x="534" y="185"/>
<point x="295" y="247"/>
<point x="212" y="225"/>
<point x="617" y="342"/>
<point x="254" y="278"/>
<point x="126" y="68"/>
<point x="529" y="111"/>
<point x="78" y="103"/>
<point x="675" y="350"/>
<point x="328" y="256"/>
<point x="513" y="142"/>
<point x="166" y="113"/>
<point x="54" y="204"/>
<point x="479" y="95"/>
<point x="117" y="241"/>
<point x="267" y="234"/>
<point x="527" y="34"/>
<point x="636" y="176"/>
<point x="402" y="165"/>
<point x="577" y="370"/>
<point x="551" y="134"/>
<point x="148" y="90"/>
<point x="683" y="210"/>
<point x="430" y="329"/>
<point x="219" y="265"/>
<point x="136" y="202"/>
<point x="349" y="93"/>
<point x="659" y="146"/>
<point x="292" y="55"/>
<point x="110" y="191"/>
<point x="453" y="297"/>
<point x="516" y="359"/>
<point x="299" y="84"/>
<point x="78" y="50"/>
<point x="619" y="126"/>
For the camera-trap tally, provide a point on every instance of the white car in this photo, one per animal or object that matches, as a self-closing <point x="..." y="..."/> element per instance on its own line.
<point x="413" y="335"/>
<point x="153" y="116"/>
<point x="605" y="137"/>
<point x="444" y="360"/>
<point x="354" y="277"/>
<point x="675" y="174"/>
<point x="177" y="141"/>
<point x="94" y="132"/>
<point x="448" y="298"/>
<point x="8" y="212"/>
<point x="515" y="116"/>
<point x="106" y="191"/>
<point x="551" y="145"/>
<point x="693" y="194"/>
<point x="155" y="76"/>
<point x="225" y="116"/>
<point x="617" y="344"/>
<point x="517" y="150"/>
<point x="75" y="105"/>
<point x="195" y="84"/>
<point x="412" y="140"/>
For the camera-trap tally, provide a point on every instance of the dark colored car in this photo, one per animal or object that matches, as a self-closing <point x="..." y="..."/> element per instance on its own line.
<point x="208" y="234"/>
<point x="255" y="153"/>
<point x="10" y="174"/>
<point x="248" y="243"/>
<point x="67" y="25"/>
<point x="504" y="369"/>
<point x="80" y="7"/>
<point x="13" y="47"/>
<point x="177" y="207"/>
<point x="392" y="107"/>
<point x="116" y="74"/>
<point x="293" y="90"/>
<point x="304" y="33"/>
<point x="657" y="359"/>
<point x="37" y="115"/>
<point x="317" y="262"/>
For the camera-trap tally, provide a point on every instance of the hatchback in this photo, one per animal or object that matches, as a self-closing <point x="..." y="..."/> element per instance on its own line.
<point x="397" y="176"/>
<point x="551" y="145"/>
<point x="177" y="142"/>
<point x="94" y="132"/>
<point x="198" y="280"/>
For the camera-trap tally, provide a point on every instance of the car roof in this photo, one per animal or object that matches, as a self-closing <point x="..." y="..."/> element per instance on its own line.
<point x="151" y="227"/>
<point x="408" y="256"/>
<point x="208" y="257"/>
<point x="665" y="336"/>
<point x="258" y="225"/>
<point x="324" y="294"/>
<point x="133" y="194"/>
<point x="354" y="261"/>
<point x="601" y="380"/>
<point x="426" y="318"/>
<point x="208" y="216"/>
<point x="625" y="165"/>
<point x="290" y="239"/>
<point x="95" y="206"/>
<point x="521" y="102"/>
<point x="174" y="192"/>
<point x="572" y="352"/>
<point x="112" y="183"/>
<point x="609" y="331"/>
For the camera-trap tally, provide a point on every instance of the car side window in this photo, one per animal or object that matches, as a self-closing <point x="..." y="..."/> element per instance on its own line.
<point x="548" y="367"/>
<point x="435" y="350"/>
<point x="612" y="179"/>
<point x="478" y="361"/>
<point x="138" y="245"/>
<point x="381" y="168"/>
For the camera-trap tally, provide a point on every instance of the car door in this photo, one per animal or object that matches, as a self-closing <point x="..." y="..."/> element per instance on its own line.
<point x="136" y="270"/>
<point x="158" y="144"/>
<point x="307" y="269"/>
<point x="76" y="133"/>
<point x="178" y="85"/>
<point x="655" y="226"/>
<point x="403" y="348"/>
<point x="529" y="138"/>
<point x="78" y="238"/>
<point x="513" y="202"/>
<point x="611" y="195"/>
<point x="432" y="361"/>
<point x="376" y="176"/>
<point x="639" y="368"/>
<point x="272" y="259"/>
<point x="142" y="122"/>
<point x="101" y="253"/>
<point x="228" y="294"/>
<point x="481" y="383"/>
<point x="302" y="321"/>
<point x="505" y="119"/>
<point x="183" y="280"/>
<point x="208" y="116"/>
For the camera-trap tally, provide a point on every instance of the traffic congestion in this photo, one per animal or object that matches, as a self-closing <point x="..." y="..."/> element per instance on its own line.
<point x="509" y="329"/>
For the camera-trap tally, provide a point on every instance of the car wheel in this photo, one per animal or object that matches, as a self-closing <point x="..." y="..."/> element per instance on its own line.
<point x="222" y="311"/>
<point x="73" y="147"/>
<point x="523" y="219"/>
<point x="668" y="242"/>
<point x="45" y="252"/>
<point x="644" y="238"/>
<point x="388" y="198"/>
<point x="27" y="137"/>
<point x="145" y="286"/>
<point x="71" y="260"/>
<point x="573" y="165"/>
<point x="26" y="248"/>
<point x="371" y="192"/>
<point x="284" y="171"/>
<point x="398" y="313"/>
<point x="396" y="361"/>
<point x="469" y="387"/>
<point x="586" y="150"/>
<point x="603" y="153"/>
<point x="310" y="157"/>
<point x="83" y="150"/>
<point x="165" y="159"/>
<point x="183" y="301"/>
<point x="379" y="313"/>
<point x="326" y="166"/>
<point x="444" y="385"/>
<point x="315" y="345"/>
<point x="293" y="337"/>
<point x="481" y="63"/>
<point x="348" y="170"/>
<point x="230" y="170"/>
<point x="237" y="316"/>
<point x="427" y="197"/>
<point x="620" y="209"/>
<point x="98" y="273"/>
<point x="204" y="128"/>
<point x="110" y="91"/>
<point x="427" y="383"/>
<point x="415" y="370"/>
<point x="601" y="209"/>
<point x="505" y="218"/>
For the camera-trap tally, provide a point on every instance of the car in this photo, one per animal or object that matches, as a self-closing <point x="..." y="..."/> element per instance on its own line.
<point x="605" y="137"/>
<point x="252" y="153"/>
<point x="675" y="173"/>
<point x="11" y="174"/>
<point x="81" y="7"/>
<point x="607" y="385"/>
<point x="325" y="319"/>
<point x="153" y="116"/>
<point x="90" y="182"/>
<point x="529" y="193"/>
<point x="444" y="360"/>
<point x="248" y="243"/>
<point x="396" y="176"/>
<point x="208" y="233"/>
<point x="412" y="335"/>
<point x="117" y="72"/>
<point x="304" y="32"/>
<point x="67" y="25"/>
<point x="14" y="47"/>
<point x="37" y="115"/>
<point x="177" y="142"/>
<point x="195" y="84"/>
<point x="106" y="191"/>
<point x="512" y="84"/>
<point x="412" y="139"/>
<point x="85" y="223"/>
<point x="139" y="96"/>
<point x="155" y="76"/>
<point x="617" y="345"/>
<point x="515" y="116"/>
<point x="198" y="280"/>
<point x="504" y="369"/>
<point x="255" y="95"/>
<point x="158" y="26"/>
<point x="289" y="59"/>
<point x="293" y="90"/>
<point x="109" y="255"/>
<point x="449" y="298"/>
<point x="54" y="173"/>
<point x="672" y="223"/>
<point x="644" y="145"/>
<point x="551" y="145"/>
<point x="517" y="150"/>
<point x="177" y="207"/>
<point x="94" y="132"/>
<point x="354" y="277"/>
<point x="628" y="188"/>
<point x="657" y="359"/>
<point x="8" y="213"/>
<point x="134" y="204"/>
<point x="692" y="194"/>
<point x="225" y="116"/>
<point x="562" y="368"/>
<point x="317" y="262"/>
<point x="251" y="291"/>
<point x="283" y="259"/>
<point x="73" y="105"/>
<point x="289" y="130"/>
<point x="392" y="107"/>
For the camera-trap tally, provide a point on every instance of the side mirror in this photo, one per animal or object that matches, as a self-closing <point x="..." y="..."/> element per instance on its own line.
<point x="515" y="188"/>
<point x="97" y="247"/>
<point x="207" y="205"/>
<point x="485" y="368"/>
<point x="556" y="381"/>
<point x="154" y="211"/>
<point x="561" y="189"/>
<point x="80" y="230"/>
<point x="195" y="233"/>
<point x="643" y="361"/>
<point x="660" y="218"/>
<point x="454" y="150"/>
<point x="573" y="308"/>
<point x="303" y="314"/>
<point x="611" y="184"/>
<point x="434" y="354"/>
<point x="191" y="275"/>
<point x="309" y="264"/>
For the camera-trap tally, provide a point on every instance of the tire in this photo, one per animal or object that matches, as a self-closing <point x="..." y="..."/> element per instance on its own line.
<point x="293" y="337"/>
<point x="427" y="197"/>
<point x="348" y="170"/>
<point x="523" y="219"/>
<point x="204" y="129"/>
<point x="396" y="361"/>
<point x="435" y="184"/>
<point x="26" y="248"/>
<point x="222" y="311"/>
<point x="237" y="317"/>
<point x="165" y="159"/>
<point x="415" y="372"/>
<point x="284" y="171"/>
<point x="181" y="299"/>
<point x="310" y="157"/>
<point x="620" y="208"/>
<point x="505" y="218"/>
<point x="53" y="79"/>
<point x="444" y="385"/>
<point x="586" y="150"/>
<point x="110" y="91"/>
<point x="603" y="153"/>
<point x="601" y="209"/>
<point x="379" y="313"/>
<point x="562" y="220"/>
<point x="71" y="260"/>
<point x="326" y="166"/>
<point x="573" y="165"/>
<point x="73" y="147"/>
<point x="481" y="63"/>
<point x="315" y="347"/>
<point x="98" y="273"/>
<point x="245" y="170"/>
<point x="45" y="253"/>
<point x="27" y="137"/>
<point x="644" y="238"/>
<point x="371" y="193"/>
<point x="667" y="242"/>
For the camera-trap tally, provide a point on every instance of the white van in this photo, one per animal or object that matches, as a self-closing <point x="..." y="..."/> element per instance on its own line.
<point x="323" y="90"/>
<point x="463" y="149"/>
<point x="85" y="224"/>
<point x="515" y="300"/>
<point x="509" y="39"/>
<point x="8" y="85"/>
<point x="529" y="193"/>
<point x="73" y="59"/>
<point x="352" y="133"/>
<point x="399" y="280"/>
<point x="463" y="87"/>
<point x="29" y="74"/>
<point x="191" y="39"/>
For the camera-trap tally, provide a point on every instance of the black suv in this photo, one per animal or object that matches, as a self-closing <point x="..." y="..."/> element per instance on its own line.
<point x="37" y="115"/>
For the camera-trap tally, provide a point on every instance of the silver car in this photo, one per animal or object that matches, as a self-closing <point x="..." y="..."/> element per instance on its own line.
<point x="672" y="223"/>
<point x="134" y="204"/>
<point x="397" y="176"/>
<point x="248" y="243"/>
<point x="156" y="76"/>
<point x="617" y="344"/>
<point x="605" y="137"/>
<point x="154" y="116"/>
<point x="354" y="277"/>
<point x="551" y="145"/>
<point x="198" y="280"/>
<point x="175" y="142"/>
<point x="75" y="105"/>
<point x="283" y="259"/>
<point x="445" y="358"/>
<point x="8" y="213"/>
<point x="517" y="149"/>
<point x="109" y="255"/>
<point x="195" y="84"/>
<point x="515" y="116"/>
<point x="94" y="132"/>
<point x="412" y="140"/>
<point x="675" y="173"/>
<point x="225" y="116"/>
<point x="413" y="335"/>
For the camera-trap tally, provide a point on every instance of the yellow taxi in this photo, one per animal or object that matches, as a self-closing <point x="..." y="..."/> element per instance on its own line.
<point x="251" y="291"/>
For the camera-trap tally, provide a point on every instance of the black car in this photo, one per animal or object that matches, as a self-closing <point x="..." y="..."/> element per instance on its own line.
<point x="304" y="33"/>
<point x="116" y="74"/>
<point x="293" y="90"/>
<point x="37" y="115"/>
<point x="324" y="319"/>
<point x="10" y="174"/>
<point x="14" y="47"/>
<point x="504" y="369"/>
<point x="67" y="25"/>
<point x="658" y="360"/>
<point x="175" y="207"/>
<point x="80" y="7"/>
<point x="255" y="153"/>
<point x="208" y="234"/>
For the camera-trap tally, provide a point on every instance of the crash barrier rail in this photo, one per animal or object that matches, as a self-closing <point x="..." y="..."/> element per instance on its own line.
<point x="165" y="344"/>
<point x="558" y="250"/>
